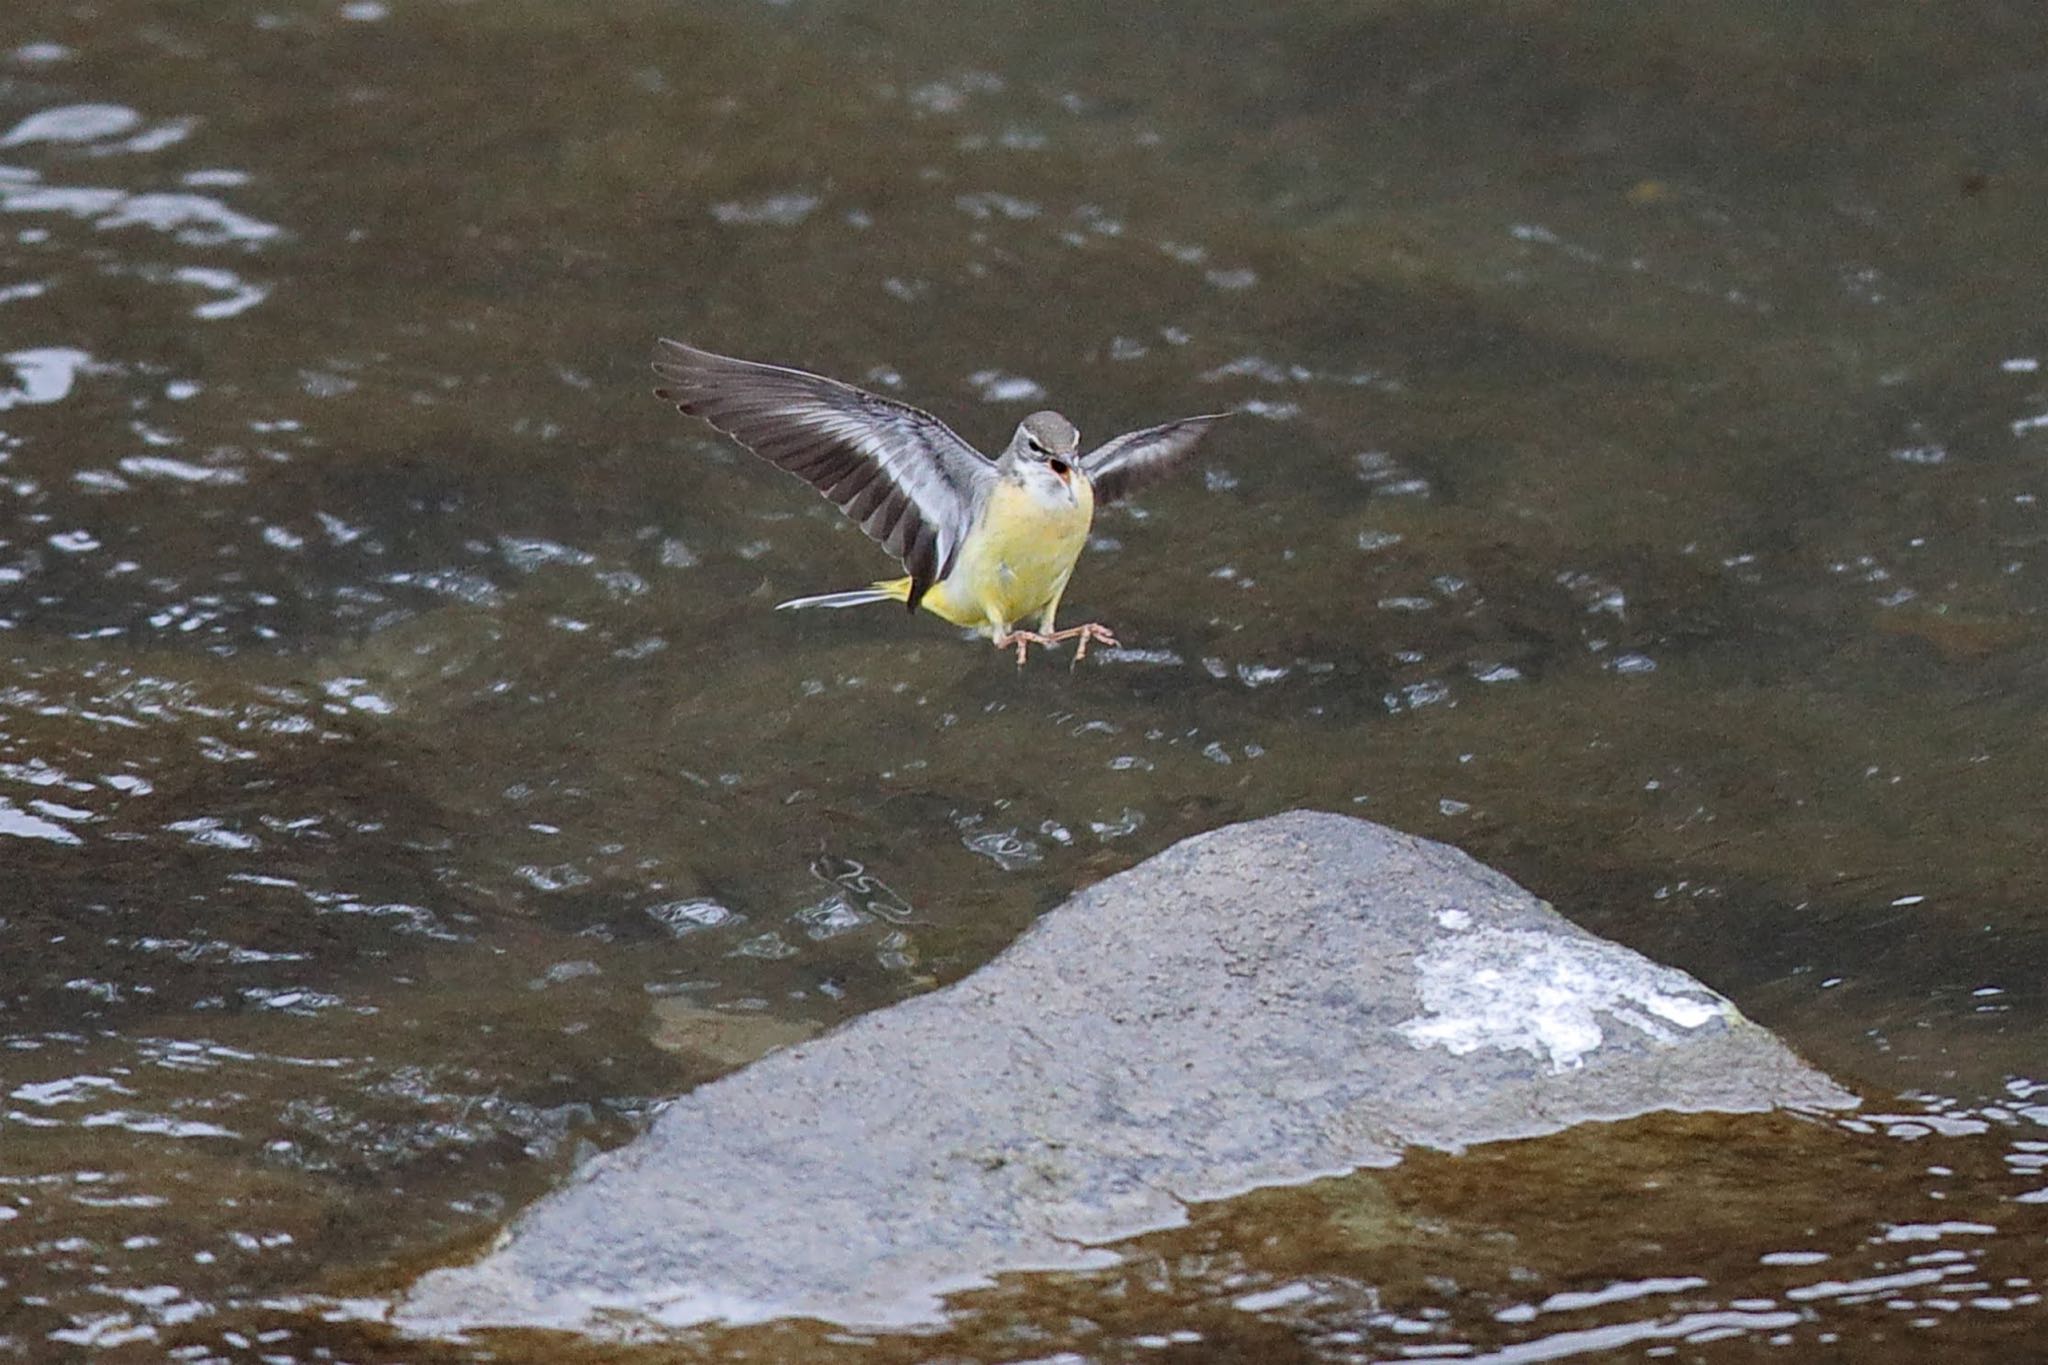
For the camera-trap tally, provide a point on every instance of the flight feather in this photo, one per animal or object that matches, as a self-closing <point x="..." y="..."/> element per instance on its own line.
<point x="898" y="471"/>
<point x="1121" y="466"/>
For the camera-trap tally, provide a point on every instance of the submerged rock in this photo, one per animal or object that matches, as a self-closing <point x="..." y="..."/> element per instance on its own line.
<point x="1262" y="1005"/>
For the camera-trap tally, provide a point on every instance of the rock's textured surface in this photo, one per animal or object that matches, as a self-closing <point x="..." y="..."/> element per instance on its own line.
<point x="1260" y="1005"/>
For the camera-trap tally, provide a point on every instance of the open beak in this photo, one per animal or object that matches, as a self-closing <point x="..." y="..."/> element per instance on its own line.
<point x="1061" y="468"/>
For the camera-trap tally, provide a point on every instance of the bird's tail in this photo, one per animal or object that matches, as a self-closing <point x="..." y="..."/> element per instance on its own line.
<point x="892" y="590"/>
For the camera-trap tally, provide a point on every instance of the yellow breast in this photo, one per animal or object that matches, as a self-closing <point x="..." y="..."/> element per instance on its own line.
<point x="1016" y="560"/>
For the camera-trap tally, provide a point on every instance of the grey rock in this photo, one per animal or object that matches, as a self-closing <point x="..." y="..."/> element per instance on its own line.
<point x="1265" y="1004"/>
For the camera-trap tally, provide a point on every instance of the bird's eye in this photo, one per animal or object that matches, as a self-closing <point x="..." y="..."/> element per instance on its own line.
<point x="1032" y="441"/>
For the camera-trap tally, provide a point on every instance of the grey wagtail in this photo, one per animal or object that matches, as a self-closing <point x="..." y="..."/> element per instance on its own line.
<point x="987" y="543"/>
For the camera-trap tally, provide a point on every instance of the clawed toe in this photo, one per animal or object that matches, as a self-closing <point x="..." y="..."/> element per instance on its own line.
<point x="1087" y="633"/>
<point x="1092" y="633"/>
<point x="1022" y="639"/>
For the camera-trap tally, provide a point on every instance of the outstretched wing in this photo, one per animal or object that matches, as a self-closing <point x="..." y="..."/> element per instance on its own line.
<point x="1120" y="467"/>
<point x="900" y="472"/>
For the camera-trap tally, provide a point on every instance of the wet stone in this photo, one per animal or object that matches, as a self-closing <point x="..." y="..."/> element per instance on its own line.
<point x="1262" y="1005"/>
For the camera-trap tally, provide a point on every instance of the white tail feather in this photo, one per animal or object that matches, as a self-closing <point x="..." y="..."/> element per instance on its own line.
<point x="860" y="597"/>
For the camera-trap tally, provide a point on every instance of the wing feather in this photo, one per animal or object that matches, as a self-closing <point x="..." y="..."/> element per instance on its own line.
<point x="1121" y="466"/>
<point x="896" y="470"/>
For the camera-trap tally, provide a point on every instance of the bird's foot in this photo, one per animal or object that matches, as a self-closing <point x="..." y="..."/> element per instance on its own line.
<point x="1092" y="633"/>
<point x="1021" y="638"/>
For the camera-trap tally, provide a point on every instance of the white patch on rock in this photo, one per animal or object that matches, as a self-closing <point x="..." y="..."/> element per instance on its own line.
<point x="1543" y="993"/>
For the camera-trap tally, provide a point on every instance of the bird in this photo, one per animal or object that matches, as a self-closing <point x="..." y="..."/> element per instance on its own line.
<point x="987" y="544"/>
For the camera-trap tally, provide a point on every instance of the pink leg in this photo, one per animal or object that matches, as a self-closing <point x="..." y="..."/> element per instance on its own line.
<point x="1021" y="638"/>
<point x="1085" y="634"/>
<point x="1090" y="633"/>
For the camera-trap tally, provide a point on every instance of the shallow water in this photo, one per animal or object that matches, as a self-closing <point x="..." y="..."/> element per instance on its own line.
<point x="1639" y="485"/>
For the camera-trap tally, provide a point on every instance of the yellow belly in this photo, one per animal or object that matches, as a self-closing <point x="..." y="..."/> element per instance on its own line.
<point x="1016" y="562"/>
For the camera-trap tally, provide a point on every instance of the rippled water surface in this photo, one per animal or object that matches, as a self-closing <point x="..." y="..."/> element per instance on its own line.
<point x="1639" y="484"/>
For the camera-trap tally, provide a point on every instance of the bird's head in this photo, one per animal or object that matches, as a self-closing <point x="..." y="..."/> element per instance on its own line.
<point x="1046" y="437"/>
